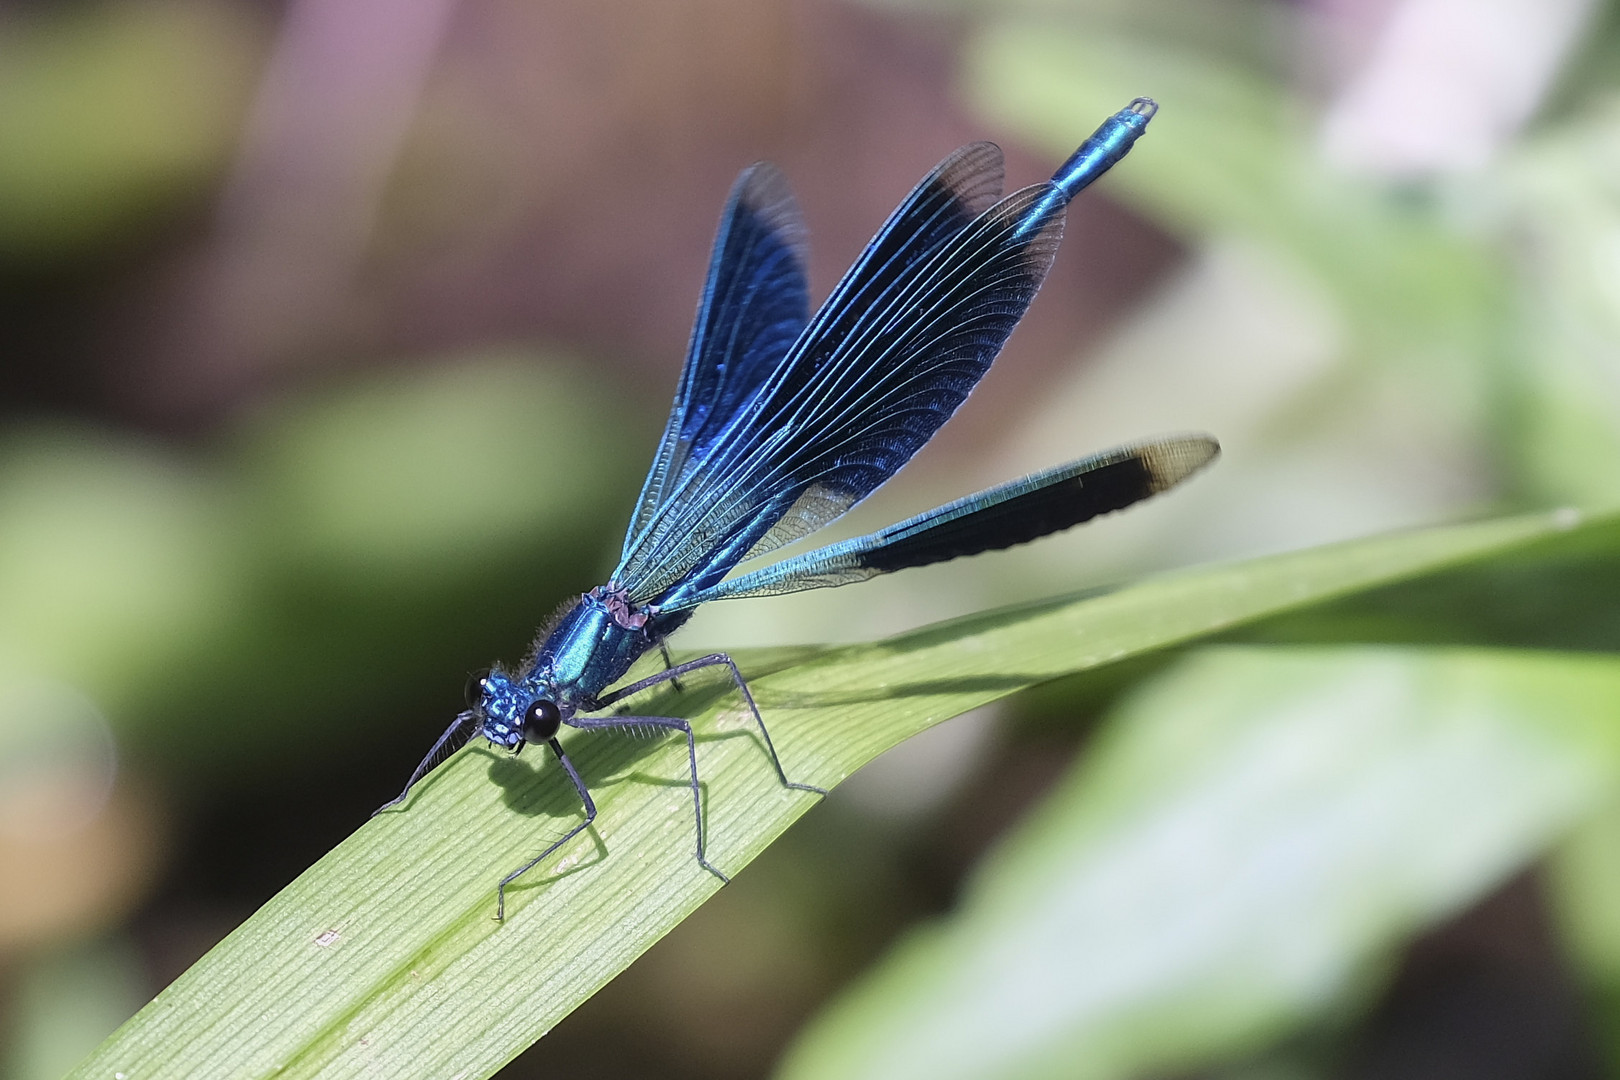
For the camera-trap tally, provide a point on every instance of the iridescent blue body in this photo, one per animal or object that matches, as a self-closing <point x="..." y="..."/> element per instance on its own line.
<point x="783" y="421"/>
<point x="591" y="647"/>
<point x="1096" y="155"/>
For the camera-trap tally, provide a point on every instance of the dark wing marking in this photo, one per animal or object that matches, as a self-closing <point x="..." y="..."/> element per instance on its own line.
<point x="754" y="304"/>
<point x="893" y="382"/>
<point x="875" y="397"/>
<point x="890" y="356"/>
<point x="700" y="525"/>
<point x="1013" y="513"/>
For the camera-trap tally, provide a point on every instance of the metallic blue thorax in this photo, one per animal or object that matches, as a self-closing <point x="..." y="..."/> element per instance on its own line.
<point x="591" y="647"/>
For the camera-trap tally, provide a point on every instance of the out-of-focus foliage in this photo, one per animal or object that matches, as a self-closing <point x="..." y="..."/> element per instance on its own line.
<point x="1232" y="154"/>
<point x="1251" y="837"/>
<point x="102" y="982"/>
<point x="1563" y="191"/>
<point x="1585" y="876"/>
<point x="110" y="112"/>
<point x="113" y="560"/>
<point x="206" y="603"/>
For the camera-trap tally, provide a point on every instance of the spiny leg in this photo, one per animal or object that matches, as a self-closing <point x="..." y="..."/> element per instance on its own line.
<point x="673" y="724"/>
<point x="669" y="662"/>
<point x="712" y="660"/>
<point x="434" y="756"/>
<point x="590" y="816"/>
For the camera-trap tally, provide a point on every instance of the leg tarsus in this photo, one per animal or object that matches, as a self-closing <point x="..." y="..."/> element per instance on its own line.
<point x="674" y="724"/>
<point x="590" y="816"/>
<point x="433" y="758"/>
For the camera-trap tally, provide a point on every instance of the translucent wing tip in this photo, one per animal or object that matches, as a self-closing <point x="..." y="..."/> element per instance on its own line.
<point x="973" y="176"/>
<point x="1170" y="461"/>
<point x="764" y="191"/>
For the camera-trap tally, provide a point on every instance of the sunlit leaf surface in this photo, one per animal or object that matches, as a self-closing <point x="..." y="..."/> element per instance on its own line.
<point x="384" y="958"/>
<point x="1252" y="831"/>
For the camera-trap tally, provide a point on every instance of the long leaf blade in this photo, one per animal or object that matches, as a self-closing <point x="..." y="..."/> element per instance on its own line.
<point x="1251" y="836"/>
<point x="384" y="958"/>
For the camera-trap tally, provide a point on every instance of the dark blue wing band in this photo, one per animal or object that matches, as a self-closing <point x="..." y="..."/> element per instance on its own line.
<point x="890" y="356"/>
<point x="874" y="396"/>
<point x="1013" y="513"/>
<point x="754" y="305"/>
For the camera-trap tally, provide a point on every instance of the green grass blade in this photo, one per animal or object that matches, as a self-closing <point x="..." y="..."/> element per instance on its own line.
<point x="1251" y="836"/>
<point x="384" y="959"/>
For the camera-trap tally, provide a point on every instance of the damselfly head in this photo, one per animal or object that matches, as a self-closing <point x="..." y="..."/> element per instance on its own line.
<point x="501" y="734"/>
<point x="499" y="702"/>
<point x="512" y="712"/>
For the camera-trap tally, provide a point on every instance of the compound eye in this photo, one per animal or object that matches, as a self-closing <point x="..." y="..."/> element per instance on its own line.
<point x="475" y="688"/>
<point x="541" y="720"/>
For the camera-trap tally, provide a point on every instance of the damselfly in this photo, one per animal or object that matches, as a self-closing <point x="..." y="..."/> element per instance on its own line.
<point x="783" y="421"/>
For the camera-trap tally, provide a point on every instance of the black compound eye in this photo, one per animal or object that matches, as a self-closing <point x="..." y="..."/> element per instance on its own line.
<point x="475" y="688"/>
<point x="541" y="720"/>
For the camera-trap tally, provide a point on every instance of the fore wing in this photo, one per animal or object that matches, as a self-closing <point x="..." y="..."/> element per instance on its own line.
<point x="754" y="304"/>
<point x="893" y="352"/>
<point x="1013" y="513"/>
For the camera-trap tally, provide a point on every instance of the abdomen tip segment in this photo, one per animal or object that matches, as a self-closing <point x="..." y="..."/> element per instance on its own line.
<point x="1110" y="142"/>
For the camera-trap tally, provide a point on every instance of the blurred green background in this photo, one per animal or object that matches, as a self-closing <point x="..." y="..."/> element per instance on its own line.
<point x="334" y="338"/>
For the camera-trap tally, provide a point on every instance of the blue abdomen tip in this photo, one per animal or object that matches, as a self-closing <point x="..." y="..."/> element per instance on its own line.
<point x="1110" y="142"/>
